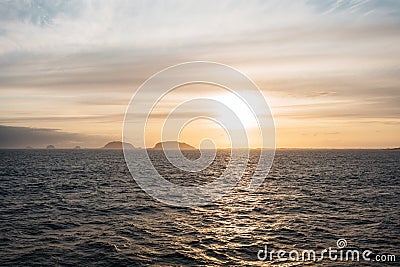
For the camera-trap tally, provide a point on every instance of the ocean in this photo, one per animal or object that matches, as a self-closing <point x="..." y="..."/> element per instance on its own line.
<point x="83" y="208"/>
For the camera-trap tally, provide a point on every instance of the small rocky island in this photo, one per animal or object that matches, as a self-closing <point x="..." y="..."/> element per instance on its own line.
<point x="169" y="145"/>
<point x="50" y="147"/>
<point x="118" y="145"/>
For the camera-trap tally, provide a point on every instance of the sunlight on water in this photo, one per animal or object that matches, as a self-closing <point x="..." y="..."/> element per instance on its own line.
<point x="83" y="208"/>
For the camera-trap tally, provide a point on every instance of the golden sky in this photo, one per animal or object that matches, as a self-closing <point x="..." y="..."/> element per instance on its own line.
<point x="328" y="69"/>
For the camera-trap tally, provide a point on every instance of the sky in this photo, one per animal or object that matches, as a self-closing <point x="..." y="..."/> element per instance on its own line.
<point x="328" y="69"/>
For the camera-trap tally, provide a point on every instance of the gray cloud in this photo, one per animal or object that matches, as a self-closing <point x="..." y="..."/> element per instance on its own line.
<point x="80" y="119"/>
<point x="372" y="109"/>
<point x="20" y="137"/>
<point x="37" y="12"/>
<point x="69" y="52"/>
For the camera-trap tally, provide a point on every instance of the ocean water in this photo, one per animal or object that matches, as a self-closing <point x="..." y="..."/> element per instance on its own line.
<point x="83" y="208"/>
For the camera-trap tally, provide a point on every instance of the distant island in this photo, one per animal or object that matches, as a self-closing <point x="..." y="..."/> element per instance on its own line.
<point x="173" y="145"/>
<point x="118" y="145"/>
<point x="50" y="147"/>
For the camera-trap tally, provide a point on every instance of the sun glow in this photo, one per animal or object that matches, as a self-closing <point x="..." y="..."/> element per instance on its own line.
<point x="240" y="108"/>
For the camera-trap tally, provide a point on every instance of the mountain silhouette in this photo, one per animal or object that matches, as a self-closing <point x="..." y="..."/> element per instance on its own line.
<point x="169" y="145"/>
<point x="118" y="145"/>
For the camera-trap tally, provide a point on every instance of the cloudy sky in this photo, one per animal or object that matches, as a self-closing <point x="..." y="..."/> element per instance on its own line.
<point x="329" y="69"/>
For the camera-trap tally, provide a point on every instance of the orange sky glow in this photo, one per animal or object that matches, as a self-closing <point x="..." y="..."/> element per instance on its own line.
<point x="329" y="72"/>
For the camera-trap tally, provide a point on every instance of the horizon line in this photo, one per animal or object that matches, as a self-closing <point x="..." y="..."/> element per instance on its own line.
<point x="220" y="148"/>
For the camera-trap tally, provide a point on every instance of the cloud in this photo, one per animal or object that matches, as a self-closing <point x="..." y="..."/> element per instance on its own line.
<point x="20" y="137"/>
<point x="60" y="60"/>
<point x="81" y="119"/>
<point x="352" y="111"/>
<point x="39" y="13"/>
<point x="98" y="45"/>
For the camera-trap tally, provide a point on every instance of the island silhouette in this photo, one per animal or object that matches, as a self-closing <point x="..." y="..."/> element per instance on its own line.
<point x="169" y="145"/>
<point x="118" y="145"/>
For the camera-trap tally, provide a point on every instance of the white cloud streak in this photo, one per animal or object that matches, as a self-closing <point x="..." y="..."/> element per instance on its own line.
<point x="345" y="51"/>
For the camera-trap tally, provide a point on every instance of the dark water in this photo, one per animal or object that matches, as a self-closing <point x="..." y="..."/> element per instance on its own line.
<point x="82" y="208"/>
